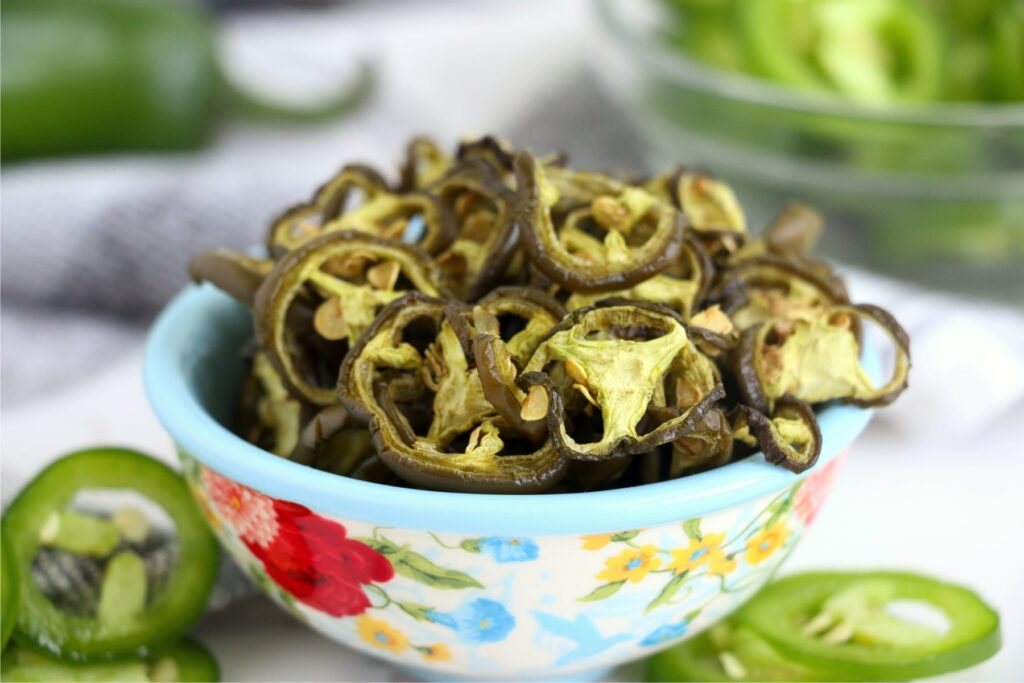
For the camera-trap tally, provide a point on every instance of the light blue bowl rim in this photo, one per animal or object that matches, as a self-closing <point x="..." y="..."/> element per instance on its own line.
<point x="183" y="327"/>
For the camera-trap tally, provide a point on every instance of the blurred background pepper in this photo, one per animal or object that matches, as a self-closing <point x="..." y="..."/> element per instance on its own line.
<point x="114" y="75"/>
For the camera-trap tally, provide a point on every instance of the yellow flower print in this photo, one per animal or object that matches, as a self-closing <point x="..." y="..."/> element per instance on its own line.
<point x="596" y="541"/>
<point x="631" y="565"/>
<point x="380" y="634"/>
<point x="436" y="653"/>
<point x="764" y="544"/>
<point x="699" y="553"/>
<point x="720" y="564"/>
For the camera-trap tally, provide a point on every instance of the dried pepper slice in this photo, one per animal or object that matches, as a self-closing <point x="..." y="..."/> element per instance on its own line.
<point x="769" y="286"/>
<point x="712" y="211"/>
<point x="334" y="285"/>
<point x="237" y="274"/>
<point x="817" y="359"/>
<point x="510" y="323"/>
<point x="271" y="417"/>
<point x="488" y="235"/>
<point x="642" y="236"/>
<point x="354" y="184"/>
<point x="425" y="162"/>
<point x="680" y="286"/>
<point x="447" y="435"/>
<point x="790" y="437"/>
<point x="623" y="359"/>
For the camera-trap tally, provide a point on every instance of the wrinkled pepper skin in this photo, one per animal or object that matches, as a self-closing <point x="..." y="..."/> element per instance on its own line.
<point x="104" y="75"/>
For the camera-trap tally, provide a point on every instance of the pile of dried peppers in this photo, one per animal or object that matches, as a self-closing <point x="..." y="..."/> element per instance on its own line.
<point x="498" y="322"/>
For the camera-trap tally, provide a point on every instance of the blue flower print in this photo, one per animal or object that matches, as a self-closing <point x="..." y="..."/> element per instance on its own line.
<point x="505" y="550"/>
<point x="665" y="633"/>
<point x="479" y="621"/>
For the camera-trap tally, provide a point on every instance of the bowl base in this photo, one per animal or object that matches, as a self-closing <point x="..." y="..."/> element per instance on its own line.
<point x="416" y="673"/>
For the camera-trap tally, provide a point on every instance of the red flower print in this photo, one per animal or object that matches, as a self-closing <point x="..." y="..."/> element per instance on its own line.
<point x="248" y="512"/>
<point x="307" y="555"/>
<point x="815" y="489"/>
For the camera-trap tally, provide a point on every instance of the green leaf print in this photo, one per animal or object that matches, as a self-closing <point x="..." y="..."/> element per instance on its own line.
<point x="417" y="612"/>
<point x="624" y="536"/>
<point x="471" y="545"/>
<point x="668" y="592"/>
<point x="602" y="592"/>
<point x="692" y="529"/>
<point x="414" y="566"/>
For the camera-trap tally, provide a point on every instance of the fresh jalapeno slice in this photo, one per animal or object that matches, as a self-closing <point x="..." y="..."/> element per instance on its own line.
<point x="186" y="662"/>
<point x="619" y="360"/>
<point x="131" y="617"/>
<point x="729" y="652"/>
<point x="487" y="232"/>
<point x="8" y="591"/>
<point x="412" y="378"/>
<point x="334" y="284"/>
<point x="817" y="359"/>
<point x="851" y="624"/>
<point x="640" y="236"/>
<point x="875" y="52"/>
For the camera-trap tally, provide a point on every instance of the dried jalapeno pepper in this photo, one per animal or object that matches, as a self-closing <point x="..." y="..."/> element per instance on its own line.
<point x="817" y="358"/>
<point x="789" y="437"/>
<point x="622" y="359"/>
<point x="612" y="244"/>
<point x="413" y="217"/>
<point x="322" y="296"/>
<point x="412" y="378"/>
<point x="487" y="235"/>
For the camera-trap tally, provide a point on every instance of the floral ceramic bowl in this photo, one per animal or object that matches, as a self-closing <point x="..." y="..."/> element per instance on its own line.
<point x="452" y="585"/>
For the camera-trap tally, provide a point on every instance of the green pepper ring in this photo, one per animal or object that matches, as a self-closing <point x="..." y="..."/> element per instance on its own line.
<point x="8" y="590"/>
<point x="42" y="626"/>
<point x="973" y="635"/>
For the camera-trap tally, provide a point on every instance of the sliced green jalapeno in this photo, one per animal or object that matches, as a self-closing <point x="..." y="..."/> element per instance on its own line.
<point x="642" y="236"/>
<point x="341" y="280"/>
<point x="849" y="624"/>
<point x="119" y="625"/>
<point x="622" y="359"/>
<point x="817" y="359"/>
<point x="449" y="436"/>
<point x="186" y="662"/>
<point x="8" y="591"/>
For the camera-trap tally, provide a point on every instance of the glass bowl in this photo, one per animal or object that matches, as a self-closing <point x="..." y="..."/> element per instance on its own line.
<point x="928" y="192"/>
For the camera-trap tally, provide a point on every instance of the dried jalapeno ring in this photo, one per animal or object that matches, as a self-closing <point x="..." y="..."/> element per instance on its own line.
<point x="817" y="359"/>
<point x="770" y="286"/>
<point x="186" y="662"/>
<point x="623" y="359"/>
<point x="487" y="235"/>
<point x="271" y="417"/>
<point x="446" y="435"/>
<point x="132" y="615"/>
<point x="510" y="322"/>
<point x="425" y="162"/>
<point x="640" y="235"/>
<point x="355" y="184"/>
<point x="790" y="437"/>
<point x="846" y="624"/>
<point x="680" y="286"/>
<point x="339" y="281"/>
<point x="237" y="274"/>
